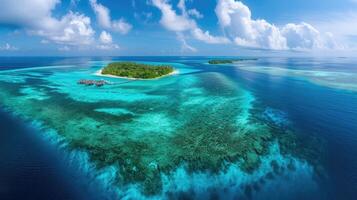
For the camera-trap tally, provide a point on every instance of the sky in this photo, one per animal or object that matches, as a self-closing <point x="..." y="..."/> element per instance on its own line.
<point x="177" y="27"/>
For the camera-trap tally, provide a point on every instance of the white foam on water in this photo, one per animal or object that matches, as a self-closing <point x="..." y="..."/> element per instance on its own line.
<point x="12" y="78"/>
<point x="36" y="68"/>
<point x="246" y="104"/>
<point x="277" y="117"/>
<point x="337" y="80"/>
<point x="230" y="184"/>
<point x="33" y="93"/>
<point x="151" y="123"/>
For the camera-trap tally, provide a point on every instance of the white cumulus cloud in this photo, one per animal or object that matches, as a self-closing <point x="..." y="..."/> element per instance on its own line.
<point x="184" y="46"/>
<point x="8" y="47"/>
<point x="105" y="38"/>
<point x="236" y="19"/>
<point x="71" y="29"/>
<point x="105" y="21"/>
<point x="102" y="14"/>
<point x="25" y="12"/>
<point x="207" y="37"/>
<point x="171" y="20"/>
<point x="183" y="23"/>
<point x="121" y="26"/>
<point x="305" y="36"/>
<point x="195" y="13"/>
<point x="106" y="42"/>
<point x="36" y="18"/>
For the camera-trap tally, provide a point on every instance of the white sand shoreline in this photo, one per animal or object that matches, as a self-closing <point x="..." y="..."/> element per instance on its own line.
<point x="99" y="73"/>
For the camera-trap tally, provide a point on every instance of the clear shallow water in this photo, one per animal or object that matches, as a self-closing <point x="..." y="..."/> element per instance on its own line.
<point x="266" y="129"/>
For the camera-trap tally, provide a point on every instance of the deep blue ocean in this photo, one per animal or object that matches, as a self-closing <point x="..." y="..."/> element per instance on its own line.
<point x="30" y="168"/>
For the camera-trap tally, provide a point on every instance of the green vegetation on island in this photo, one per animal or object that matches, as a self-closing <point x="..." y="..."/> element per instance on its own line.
<point x="229" y="61"/>
<point x="136" y="70"/>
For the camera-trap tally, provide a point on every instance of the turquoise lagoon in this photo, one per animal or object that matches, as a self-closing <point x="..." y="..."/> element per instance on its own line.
<point x="206" y="132"/>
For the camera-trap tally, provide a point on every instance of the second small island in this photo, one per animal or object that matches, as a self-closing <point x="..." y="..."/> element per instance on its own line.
<point x="134" y="70"/>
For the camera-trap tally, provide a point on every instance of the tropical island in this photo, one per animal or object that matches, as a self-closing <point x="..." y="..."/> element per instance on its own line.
<point x="136" y="70"/>
<point x="229" y="61"/>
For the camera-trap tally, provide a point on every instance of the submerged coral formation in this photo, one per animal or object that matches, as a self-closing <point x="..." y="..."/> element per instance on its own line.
<point x="178" y="121"/>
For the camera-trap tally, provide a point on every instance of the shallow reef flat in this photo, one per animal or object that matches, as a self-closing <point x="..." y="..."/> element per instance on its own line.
<point x="197" y="134"/>
<point x="337" y="80"/>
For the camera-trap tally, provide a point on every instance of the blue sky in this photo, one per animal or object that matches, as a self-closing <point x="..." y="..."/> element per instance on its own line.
<point x="177" y="27"/>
